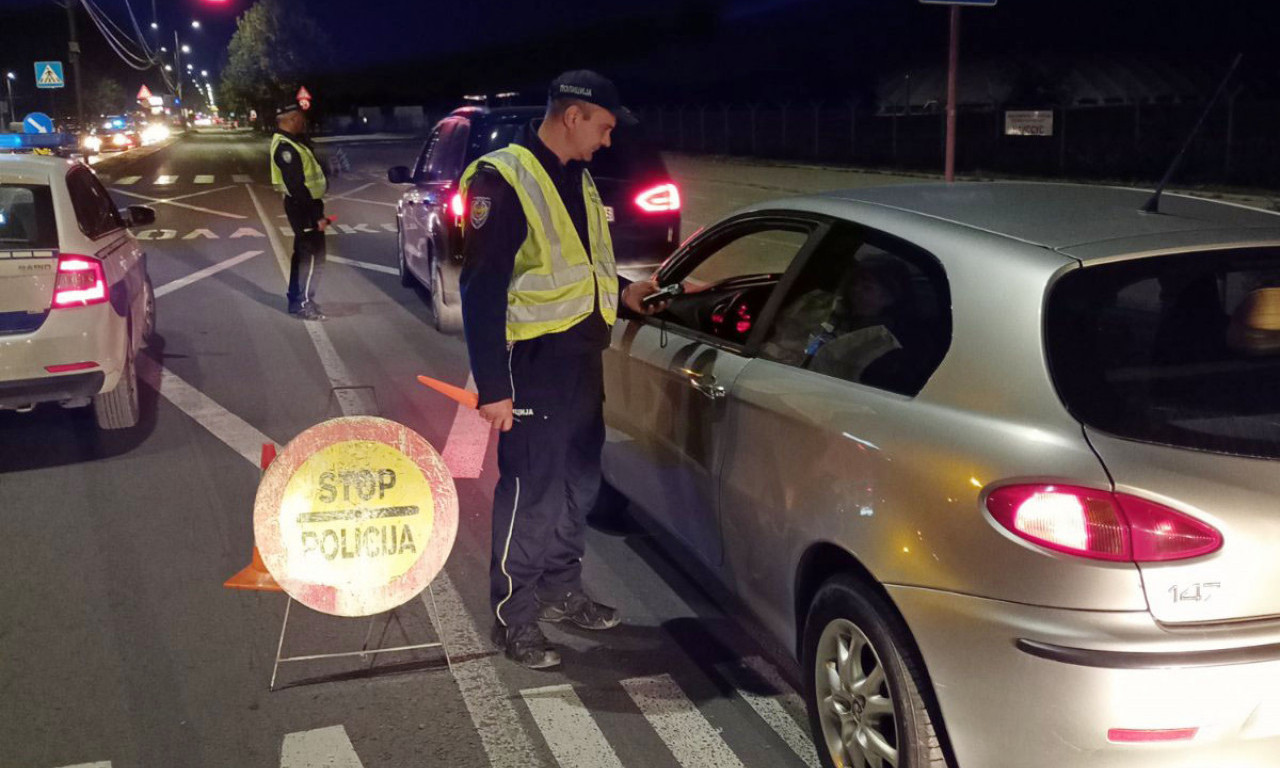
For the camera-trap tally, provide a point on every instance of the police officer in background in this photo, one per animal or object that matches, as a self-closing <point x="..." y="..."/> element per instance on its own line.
<point x="539" y="293"/>
<point x="296" y="173"/>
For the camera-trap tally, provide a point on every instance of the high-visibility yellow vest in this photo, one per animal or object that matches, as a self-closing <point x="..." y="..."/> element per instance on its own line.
<point x="555" y="284"/>
<point x="312" y="172"/>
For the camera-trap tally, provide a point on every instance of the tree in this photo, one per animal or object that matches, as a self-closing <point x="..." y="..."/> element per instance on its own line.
<point x="277" y="45"/>
<point x="106" y="96"/>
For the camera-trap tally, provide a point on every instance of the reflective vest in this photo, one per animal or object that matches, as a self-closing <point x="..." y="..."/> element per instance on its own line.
<point x="312" y="173"/>
<point x="555" y="284"/>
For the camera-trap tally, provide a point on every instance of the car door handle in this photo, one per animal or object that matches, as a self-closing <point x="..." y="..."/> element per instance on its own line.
<point x="705" y="383"/>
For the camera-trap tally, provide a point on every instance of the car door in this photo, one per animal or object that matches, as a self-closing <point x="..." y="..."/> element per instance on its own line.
<point x="426" y="205"/>
<point x="123" y="264"/>
<point x="668" y="376"/>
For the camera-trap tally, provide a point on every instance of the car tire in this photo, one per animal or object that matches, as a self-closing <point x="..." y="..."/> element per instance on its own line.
<point x="877" y="700"/>
<point x="120" y="408"/>
<point x="448" y="319"/>
<point x="148" y="312"/>
<point x="406" y="277"/>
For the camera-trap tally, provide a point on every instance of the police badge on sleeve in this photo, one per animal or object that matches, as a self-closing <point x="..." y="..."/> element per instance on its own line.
<point x="480" y="207"/>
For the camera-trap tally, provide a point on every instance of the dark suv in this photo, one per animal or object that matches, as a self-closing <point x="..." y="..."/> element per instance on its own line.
<point x="641" y="200"/>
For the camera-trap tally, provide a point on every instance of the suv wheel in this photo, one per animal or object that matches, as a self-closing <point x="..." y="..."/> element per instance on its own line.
<point x="448" y="319"/>
<point x="148" y="312"/>
<point x="864" y="683"/>
<point x="119" y="408"/>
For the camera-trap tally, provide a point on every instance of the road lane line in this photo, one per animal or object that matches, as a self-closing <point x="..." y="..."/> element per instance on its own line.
<point x="163" y="201"/>
<point x="104" y="764"/>
<point x="364" y="265"/>
<point x="506" y="742"/>
<point x="242" y="178"/>
<point x="321" y="748"/>
<point x="570" y="731"/>
<point x="238" y="434"/>
<point x="204" y="178"/>
<point x="182" y="282"/>
<point x="694" y="741"/>
<point x="352" y="191"/>
<point x="369" y="202"/>
<point x="468" y="441"/>
<point x="125" y="181"/>
<point x="783" y="709"/>
<point x="165" y="180"/>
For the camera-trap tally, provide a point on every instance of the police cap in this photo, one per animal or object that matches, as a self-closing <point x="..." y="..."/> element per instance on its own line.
<point x="585" y="85"/>
<point x="288" y="107"/>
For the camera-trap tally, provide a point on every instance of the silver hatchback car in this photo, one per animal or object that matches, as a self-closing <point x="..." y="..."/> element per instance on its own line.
<point x="999" y="464"/>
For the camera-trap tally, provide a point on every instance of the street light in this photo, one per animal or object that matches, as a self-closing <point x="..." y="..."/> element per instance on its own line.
<point x="9" y="77"/>
<point x="195" y="25"/>
<point x="168" y="67"/>
<point x="204" y="73"/>
<point x="155" y="25"/>
<point x="186" y="48"/>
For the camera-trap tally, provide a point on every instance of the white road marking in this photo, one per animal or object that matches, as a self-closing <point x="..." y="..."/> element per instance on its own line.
<point x="204" y="178"/>
<point x="170" y="201"/>
<point x="321" y="748"/>
<point x="364" y="265"/>
<point x="351" y="191"/>
<point x="203" y="273"/>
<point x="505" y="741"/>
<point x="125" y="181"/>
<point x="105" y="764"/>
<point x="694" y="741"/>
<point x="369" y="202"/>
<point x="241" y="436"/>
<point x="165" y="180"/>
<point x="783" y="710"/>
<point x="241" y="178"/>
<point x="468" y="441"/>
<point x="570" y="731"/>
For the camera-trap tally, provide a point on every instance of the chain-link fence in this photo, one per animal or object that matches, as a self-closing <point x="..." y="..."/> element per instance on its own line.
<point x="1239" y="145"/>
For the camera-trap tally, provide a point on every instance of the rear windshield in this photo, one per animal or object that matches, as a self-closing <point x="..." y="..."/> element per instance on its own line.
<point x="628" y="158"/>
<point x="26" y="217"/>
<point x="1179" y="350"/>
<point x="494" y="133"/>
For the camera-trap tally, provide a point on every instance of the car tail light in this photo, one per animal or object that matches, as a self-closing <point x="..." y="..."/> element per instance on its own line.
<point x="458" y="205"/>
<point x="1140" y="736"/>
<point x="1100" y="524"/>
<point x="80" y="282"/>
<point x="659" y="199"/>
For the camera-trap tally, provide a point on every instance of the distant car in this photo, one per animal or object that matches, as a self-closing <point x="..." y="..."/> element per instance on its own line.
<point x="76" y="303"/>
<point x="998" y="464"/>
<point x="641" y="200"/>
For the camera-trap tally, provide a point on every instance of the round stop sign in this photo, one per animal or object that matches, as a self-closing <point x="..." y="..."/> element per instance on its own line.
<point x="356" y="516"/>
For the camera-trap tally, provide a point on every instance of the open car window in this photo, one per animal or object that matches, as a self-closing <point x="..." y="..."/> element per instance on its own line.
<point x="730" y="273"/>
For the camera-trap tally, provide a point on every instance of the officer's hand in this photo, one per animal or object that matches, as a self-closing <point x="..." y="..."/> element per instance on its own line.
<point x="498" y="414"/>
<point x="638" y="290"/>
<point x="322" y="224"/>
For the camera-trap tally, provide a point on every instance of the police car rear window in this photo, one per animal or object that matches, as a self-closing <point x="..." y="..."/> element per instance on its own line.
<point x="26" y="217"/>
<point x="628" y="158"/>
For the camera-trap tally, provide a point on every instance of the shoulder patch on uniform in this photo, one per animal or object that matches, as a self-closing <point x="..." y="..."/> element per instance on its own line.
<point x="286" y="155"/>
<point x="480" y="207"/>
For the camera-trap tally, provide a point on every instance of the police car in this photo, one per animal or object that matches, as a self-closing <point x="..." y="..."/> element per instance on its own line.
<point x="76" y="303"/>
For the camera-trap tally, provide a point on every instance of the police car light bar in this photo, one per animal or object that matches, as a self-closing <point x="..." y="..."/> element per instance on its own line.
<point x="34" y="140"/>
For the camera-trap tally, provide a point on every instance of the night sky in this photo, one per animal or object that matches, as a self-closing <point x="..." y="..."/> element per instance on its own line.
<point x="665" y="51"/>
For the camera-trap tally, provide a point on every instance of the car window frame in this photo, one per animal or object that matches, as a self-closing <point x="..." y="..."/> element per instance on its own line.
<point x="723" y="232"/>
<point x="455" y="143"/>
<point x="116" y="220"/>
<point x="420" y="166"/>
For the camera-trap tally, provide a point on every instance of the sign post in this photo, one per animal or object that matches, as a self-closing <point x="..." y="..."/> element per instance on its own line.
<point x="953" y="73"/>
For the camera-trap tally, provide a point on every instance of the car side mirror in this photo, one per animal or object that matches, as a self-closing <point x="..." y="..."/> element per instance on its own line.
<point x="399" y="175"/>
<point x="139" y="216"/>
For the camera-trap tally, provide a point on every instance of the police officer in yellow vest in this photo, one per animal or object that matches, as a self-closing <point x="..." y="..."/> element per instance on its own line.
<point x="296" y="173"/>
<point x="539" y="293"/>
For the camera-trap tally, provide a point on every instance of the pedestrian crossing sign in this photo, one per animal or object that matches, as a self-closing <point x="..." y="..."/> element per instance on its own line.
<point x="49" y="75"/>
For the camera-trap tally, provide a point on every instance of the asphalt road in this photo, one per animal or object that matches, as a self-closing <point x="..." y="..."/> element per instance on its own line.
<point x="120" y="645"/>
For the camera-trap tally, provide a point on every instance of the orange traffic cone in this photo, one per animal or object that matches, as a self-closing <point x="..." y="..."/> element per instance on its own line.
<point x="462" y="396"/>
<point x="255" y="575"/>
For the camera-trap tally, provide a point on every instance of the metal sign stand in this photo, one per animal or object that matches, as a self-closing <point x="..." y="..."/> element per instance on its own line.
<point x="364" y="649"/>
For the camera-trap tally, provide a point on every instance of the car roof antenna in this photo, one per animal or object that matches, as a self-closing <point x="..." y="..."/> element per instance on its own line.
<point x="1153" y="203"/>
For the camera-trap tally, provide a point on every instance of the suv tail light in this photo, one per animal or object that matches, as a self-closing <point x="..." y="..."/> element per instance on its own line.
<point x="1100" y="524"/>
<point x="659" y="199"/>
<point x="80" y="282"/>
<point x="457" y="204"/>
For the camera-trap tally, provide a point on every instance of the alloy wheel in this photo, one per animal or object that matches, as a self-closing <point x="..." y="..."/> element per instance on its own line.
<point x="856" y="707"/>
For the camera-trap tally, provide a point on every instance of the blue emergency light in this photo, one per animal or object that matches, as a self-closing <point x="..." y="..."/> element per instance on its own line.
<point x="35" y="140"/>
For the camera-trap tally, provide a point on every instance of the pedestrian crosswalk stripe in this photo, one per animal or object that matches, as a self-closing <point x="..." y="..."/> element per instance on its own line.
<point x="166" y="179"/>
<point x="321" y="748"/>
<point x="204" y="178"/>
<point x="571" y="733"/>
<point x="693" y="741"/>
<point x="782" y="709"/>
<point x="125" y="181"/>
<point x="241" y="178"/>
<point x="105" y="764"/>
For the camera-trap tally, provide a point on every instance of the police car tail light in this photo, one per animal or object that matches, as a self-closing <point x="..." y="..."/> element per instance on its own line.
<point x="457" y="204"/>
<point x="80" y="282"/>
<point x="1100" y="525"/>
<point x="659" y="199"/>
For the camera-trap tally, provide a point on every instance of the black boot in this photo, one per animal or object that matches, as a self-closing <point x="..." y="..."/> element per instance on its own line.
<point x="526" y="646"/>
<point x="581" y="611"/>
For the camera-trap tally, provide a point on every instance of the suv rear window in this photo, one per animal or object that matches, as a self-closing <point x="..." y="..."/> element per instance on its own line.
<point x="26" y="217"/>
<point x="493" y="133"/>
<point x="628" y="158"/>
<point x="1181" y="350"/>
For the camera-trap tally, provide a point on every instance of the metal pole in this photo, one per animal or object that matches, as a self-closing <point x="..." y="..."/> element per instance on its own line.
<point x="13" y="108"/>
<point x="177" y="72"/>
<point x="73" y="49"/>
<point x="953" y="67"/>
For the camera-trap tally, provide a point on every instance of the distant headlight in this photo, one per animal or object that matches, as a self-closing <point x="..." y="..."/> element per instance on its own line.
<point x="92" y="143"/>
<point x="120" y="140"/>
<point x="153" y="133"/>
